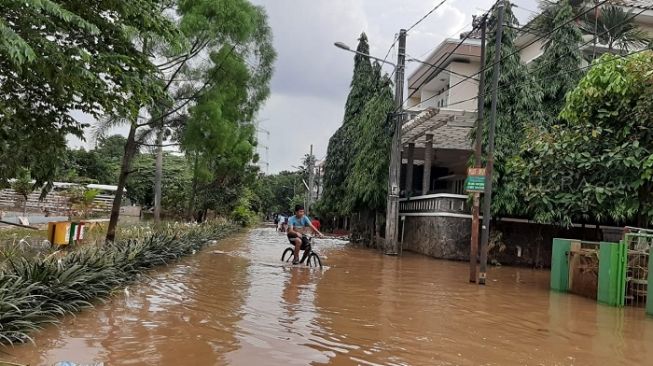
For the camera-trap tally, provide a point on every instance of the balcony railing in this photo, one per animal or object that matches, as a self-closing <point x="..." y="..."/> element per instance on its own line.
<point x="439" y="202"/>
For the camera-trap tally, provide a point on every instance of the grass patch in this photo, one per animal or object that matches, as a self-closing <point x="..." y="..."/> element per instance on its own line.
<point x="38" y="290"/>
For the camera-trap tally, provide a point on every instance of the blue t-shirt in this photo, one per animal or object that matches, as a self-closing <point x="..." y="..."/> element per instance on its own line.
<point x="297" y="223"/>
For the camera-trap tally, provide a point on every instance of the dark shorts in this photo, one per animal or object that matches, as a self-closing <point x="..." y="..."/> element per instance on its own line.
<point x="305" y="243"/>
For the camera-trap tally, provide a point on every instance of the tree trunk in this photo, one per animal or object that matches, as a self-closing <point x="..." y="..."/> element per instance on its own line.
<point x="25" y="207"/>
<point x="130" y="151"/>
<point x="191" y="200"/>
<point x="158" y="176"/>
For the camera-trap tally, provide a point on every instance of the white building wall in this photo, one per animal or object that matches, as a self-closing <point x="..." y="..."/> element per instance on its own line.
<point x="466" y="90"/>
<point x="530" y="53"/>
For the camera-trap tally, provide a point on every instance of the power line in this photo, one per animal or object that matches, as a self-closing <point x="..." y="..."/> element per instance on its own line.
<point x="521" y="49"/>
<point x="444" y="56"/>
<point x="426" y="15"/>
<point x="458" y="32"/>
<point x="396" y="38"/>
<point x="505" y="57"/>
<point x="560" y="73"/>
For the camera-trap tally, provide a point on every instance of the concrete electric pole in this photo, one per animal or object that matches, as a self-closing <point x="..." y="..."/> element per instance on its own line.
<point x="392" y="213"/>
<point x="487" y="199"/>
<point x="478" y="150"/>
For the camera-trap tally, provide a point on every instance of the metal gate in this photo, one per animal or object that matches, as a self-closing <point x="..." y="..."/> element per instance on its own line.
<point x="638" y="243"/>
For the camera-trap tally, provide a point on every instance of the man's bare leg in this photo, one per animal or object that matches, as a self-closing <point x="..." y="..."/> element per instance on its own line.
<point x="298" y="245"/>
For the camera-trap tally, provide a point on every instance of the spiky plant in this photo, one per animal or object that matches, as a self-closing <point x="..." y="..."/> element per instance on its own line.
<point x="38" y="290"/>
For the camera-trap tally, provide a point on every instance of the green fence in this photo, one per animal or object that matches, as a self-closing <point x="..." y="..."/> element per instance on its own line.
<point x="619" y="271"/>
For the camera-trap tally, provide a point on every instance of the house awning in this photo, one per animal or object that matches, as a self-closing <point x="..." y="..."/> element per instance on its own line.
<point x="450" y="128"/>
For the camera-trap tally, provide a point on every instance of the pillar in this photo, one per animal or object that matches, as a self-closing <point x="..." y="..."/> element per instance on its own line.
<point x="428" y="160"/>
<point x="410" y="156"/>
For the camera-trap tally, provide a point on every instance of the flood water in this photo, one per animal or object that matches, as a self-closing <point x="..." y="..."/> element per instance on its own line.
<point x="235" y="304"/>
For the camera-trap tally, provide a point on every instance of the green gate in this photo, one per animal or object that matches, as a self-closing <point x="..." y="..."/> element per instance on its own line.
<point x="591" y="269"/>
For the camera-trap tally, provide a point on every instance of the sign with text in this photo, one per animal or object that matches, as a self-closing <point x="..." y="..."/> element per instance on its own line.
<point x="475" y="181"/>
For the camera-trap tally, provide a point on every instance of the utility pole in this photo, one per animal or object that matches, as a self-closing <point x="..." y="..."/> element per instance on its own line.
<point x="392" y="213"/>
<point x="311" y="180"/>
<point x="158" y="175"/>
<point x="473" y="252"/>
<point x="487" y="199"/>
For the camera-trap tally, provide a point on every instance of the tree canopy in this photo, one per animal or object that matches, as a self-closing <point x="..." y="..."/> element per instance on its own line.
<point x="367" y="185"/>
<point x="597" y="163"/>
<point x="343" y="143"/>
<point x="519" y="99"/>
<point x="61" y="56"/>
<point x="557" y="71"/>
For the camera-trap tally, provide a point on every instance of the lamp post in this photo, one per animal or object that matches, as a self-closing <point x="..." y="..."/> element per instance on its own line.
<point x="392" y="212"/>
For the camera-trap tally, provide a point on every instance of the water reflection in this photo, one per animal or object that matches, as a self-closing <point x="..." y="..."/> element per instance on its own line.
<point x="237" y="304"/>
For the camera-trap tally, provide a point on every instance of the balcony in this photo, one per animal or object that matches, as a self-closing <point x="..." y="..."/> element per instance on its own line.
<point x="432" y="204"/>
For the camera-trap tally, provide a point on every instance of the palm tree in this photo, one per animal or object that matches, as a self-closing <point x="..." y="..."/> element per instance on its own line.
<point x="616" y="28"/>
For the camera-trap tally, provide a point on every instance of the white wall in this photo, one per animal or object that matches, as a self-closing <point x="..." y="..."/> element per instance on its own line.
<point x="465" y="90"/>
<point x="530" y="53"/>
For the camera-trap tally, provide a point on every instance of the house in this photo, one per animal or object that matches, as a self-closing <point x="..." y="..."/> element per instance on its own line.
<point x="436" y="149"/>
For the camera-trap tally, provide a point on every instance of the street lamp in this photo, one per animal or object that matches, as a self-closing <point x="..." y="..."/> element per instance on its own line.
<point x="347" y="48"/>
<point x="394" y="171"/>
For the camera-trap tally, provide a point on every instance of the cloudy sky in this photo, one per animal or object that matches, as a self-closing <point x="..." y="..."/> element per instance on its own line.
<point x="311" y="79"/>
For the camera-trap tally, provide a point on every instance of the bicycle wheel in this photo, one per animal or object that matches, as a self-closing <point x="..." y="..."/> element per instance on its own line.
<point x="287" y="255"/>
<point x="314" y="261"/>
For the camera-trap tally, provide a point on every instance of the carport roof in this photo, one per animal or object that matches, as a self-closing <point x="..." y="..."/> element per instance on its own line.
<point x="450" y="128"/>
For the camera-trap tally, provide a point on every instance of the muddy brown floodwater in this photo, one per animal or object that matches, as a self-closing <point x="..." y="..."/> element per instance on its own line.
<point x="235" y="304"/>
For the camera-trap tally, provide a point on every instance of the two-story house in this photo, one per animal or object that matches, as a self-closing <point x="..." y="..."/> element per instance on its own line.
<point x="436" y="143"/>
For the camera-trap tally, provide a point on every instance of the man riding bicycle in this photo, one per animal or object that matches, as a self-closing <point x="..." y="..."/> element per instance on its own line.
<point x="297" y="225"/>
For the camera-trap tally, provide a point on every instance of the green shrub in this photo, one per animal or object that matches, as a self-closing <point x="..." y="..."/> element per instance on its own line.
<point x="36" y="291"/>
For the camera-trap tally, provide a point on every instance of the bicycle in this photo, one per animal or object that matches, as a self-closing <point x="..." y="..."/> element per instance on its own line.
<point x="312" y="259"/>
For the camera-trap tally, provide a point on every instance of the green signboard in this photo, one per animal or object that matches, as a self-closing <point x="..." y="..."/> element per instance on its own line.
<point x="475" y="181"/>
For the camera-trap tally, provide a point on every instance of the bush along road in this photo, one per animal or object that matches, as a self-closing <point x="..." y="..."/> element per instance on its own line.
<point x="39" y="290"/>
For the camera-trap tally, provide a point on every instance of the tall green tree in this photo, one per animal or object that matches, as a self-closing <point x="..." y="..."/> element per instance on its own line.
<point x="339" y="162"/>
<point x="597" y="165"/>
<point x="65" y="55"/>
<point x="367" y="184"/>
<point x="218" y="136"/>
<point x="561" y="53"/>
<point x="216" y="35"/>
<point x="519" y="99"/>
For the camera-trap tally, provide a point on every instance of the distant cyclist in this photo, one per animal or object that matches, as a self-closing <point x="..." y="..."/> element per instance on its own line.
<point x="297" y="227"/>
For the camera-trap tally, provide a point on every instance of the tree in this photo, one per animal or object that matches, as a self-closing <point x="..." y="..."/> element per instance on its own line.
<point x="616" y="28"/>
<point x="338" y="163"/>
<point x="367" y="184"/>
<point x="82" y="200"/>
<point x="229" y="32"/>
<point x="517" y="110"/>
<point x="24" y="186"/>
<point x="597" y="165"/>
<point x="177" y="177"/>
<point x="217" y="137"/>
<point x="60" y="56"/>
<point x="561" y="52"/>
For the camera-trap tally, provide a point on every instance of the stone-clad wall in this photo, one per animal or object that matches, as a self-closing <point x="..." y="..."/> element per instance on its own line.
<point x="439" y="237"/>
<point x="522" y="243"/>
